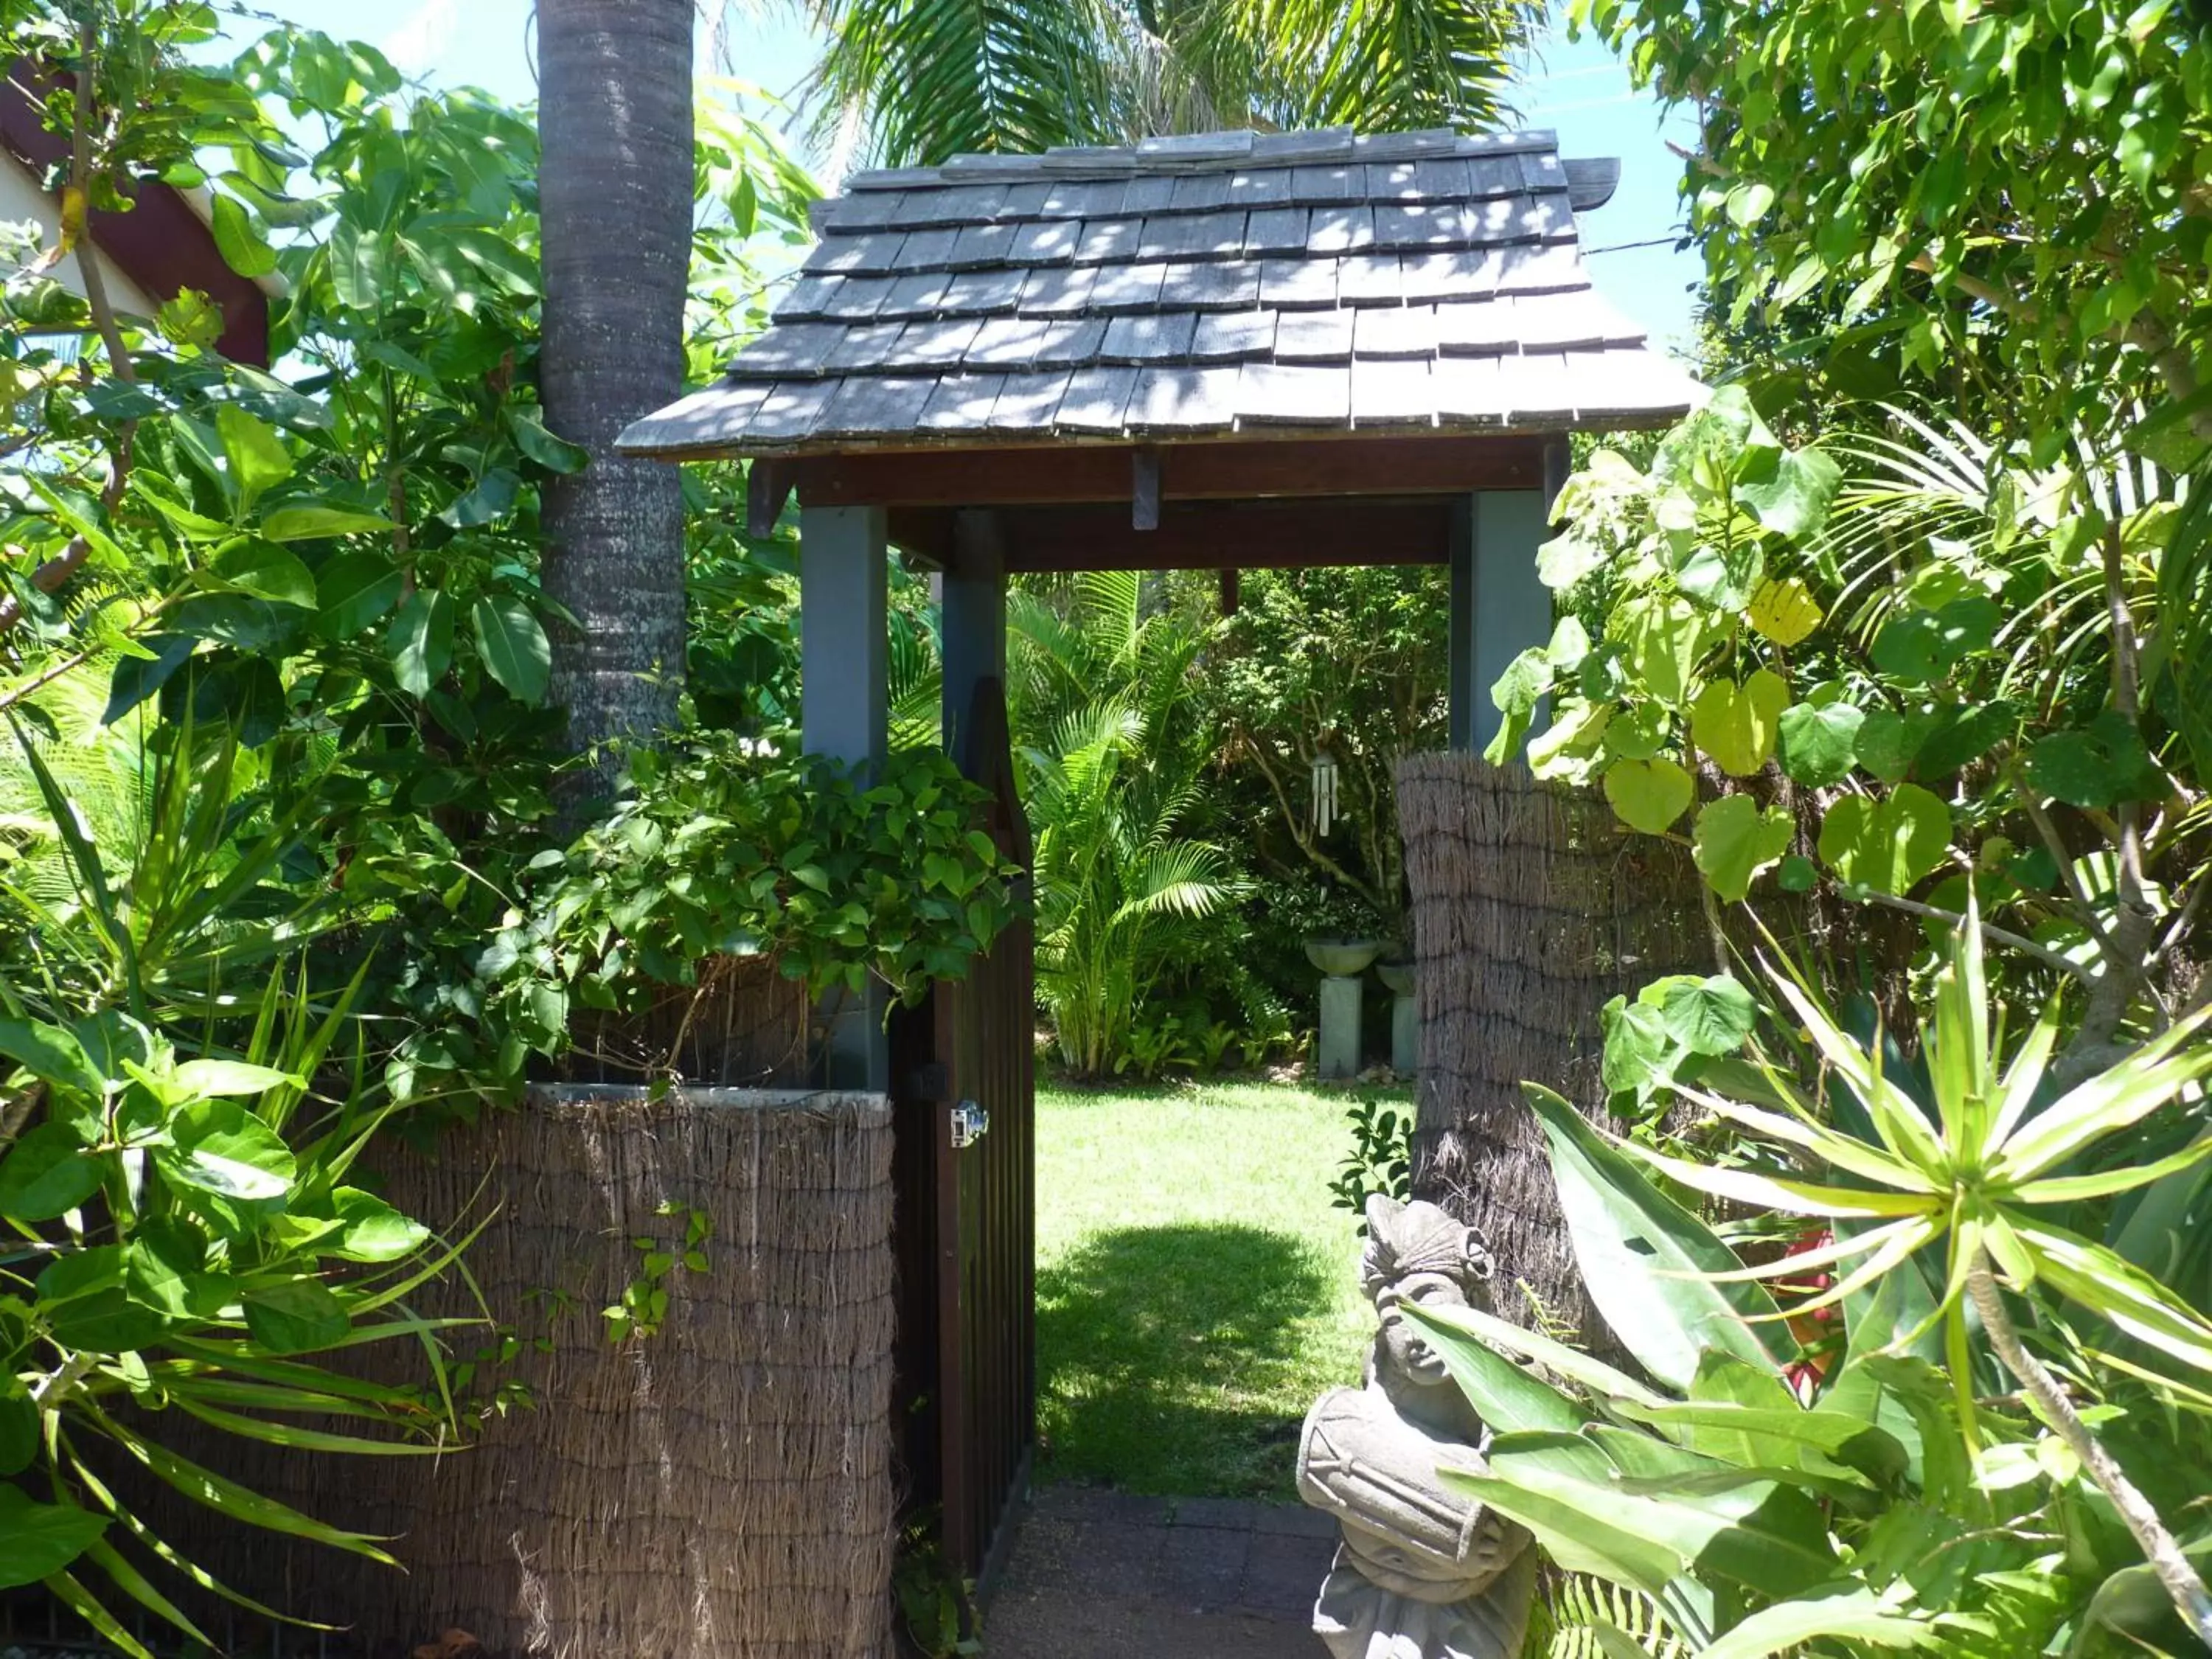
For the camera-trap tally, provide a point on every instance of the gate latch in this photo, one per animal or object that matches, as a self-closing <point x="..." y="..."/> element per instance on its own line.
<point x="970" y="1123"/>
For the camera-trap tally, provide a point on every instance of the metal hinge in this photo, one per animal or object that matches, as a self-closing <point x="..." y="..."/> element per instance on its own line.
<point x="970" y="1123"/>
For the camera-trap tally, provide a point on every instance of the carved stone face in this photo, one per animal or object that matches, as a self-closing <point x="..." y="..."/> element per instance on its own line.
<point x="1402" y="1345"/>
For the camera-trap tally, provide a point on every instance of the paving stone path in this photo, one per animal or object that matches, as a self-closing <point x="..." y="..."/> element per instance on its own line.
<point x="1104" y="1575"/>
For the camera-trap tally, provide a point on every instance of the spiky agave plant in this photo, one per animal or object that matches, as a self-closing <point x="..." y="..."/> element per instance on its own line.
<point x="1980" y="1183"/>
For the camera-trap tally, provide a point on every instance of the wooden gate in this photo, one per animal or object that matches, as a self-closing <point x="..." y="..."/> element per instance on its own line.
<point x="967" y="1217"/>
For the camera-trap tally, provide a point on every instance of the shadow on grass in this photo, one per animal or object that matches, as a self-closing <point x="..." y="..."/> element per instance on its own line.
<point x="1171" y="1359"/>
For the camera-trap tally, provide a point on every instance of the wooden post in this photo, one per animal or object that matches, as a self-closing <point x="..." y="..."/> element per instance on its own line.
<point x="1498" y="606"/>
<point x="845" y="713"/>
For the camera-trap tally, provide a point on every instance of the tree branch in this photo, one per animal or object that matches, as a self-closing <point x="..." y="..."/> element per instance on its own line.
<point x="1990" y="931"/>
<point x="2159" y="1547"/>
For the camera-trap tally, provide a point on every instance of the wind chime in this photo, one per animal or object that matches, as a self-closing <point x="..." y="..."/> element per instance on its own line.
<point x="1324" y="793"/>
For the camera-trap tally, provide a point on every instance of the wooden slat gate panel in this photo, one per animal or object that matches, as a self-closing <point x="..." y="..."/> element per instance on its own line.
<point x="968" y="1231"/>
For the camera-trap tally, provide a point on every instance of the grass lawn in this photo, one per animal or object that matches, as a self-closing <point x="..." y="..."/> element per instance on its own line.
<point x="1196" y="1288"/>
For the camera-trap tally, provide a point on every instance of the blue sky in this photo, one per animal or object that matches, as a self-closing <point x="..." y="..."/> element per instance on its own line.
<point x="1579" y="89"/>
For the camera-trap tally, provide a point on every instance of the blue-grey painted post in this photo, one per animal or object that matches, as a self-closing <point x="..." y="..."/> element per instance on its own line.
<point x="1498" y="606"/>
<point x="845" y="713"/>
<point x="972" y="615"/>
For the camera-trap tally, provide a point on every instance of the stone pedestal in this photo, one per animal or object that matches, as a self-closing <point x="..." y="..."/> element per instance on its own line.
<point x="1338" y="1053"/>
<point x="1406" y="1033"/>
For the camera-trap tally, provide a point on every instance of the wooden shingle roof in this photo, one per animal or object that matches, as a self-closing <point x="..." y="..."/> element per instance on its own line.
<point x="1190" y="287"/>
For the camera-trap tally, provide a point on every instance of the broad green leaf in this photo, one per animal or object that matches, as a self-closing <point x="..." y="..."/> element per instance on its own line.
<point x="1736" y="724"/>
<point x="1566" y="559"/>
<point x="2100" y="764"/>
<point x="1962" y="734"/>
<point x="1640" y="1254"/>
<point x="372" y="1231"/>
<point x="256" y="455"/>
<point x="1710" y="1016"/>
<point x="491" y="498"/>
<point x="297" y="1315"/>
<point x="420" y="641"/>
<point x="1648" y="795"/>
<point x="267" y="572"/>
<point x="231" y="1077"/>
<point x="19" y="1427"/>
<point x="1784" y="610"/>
<point x="359" y="266"/>
<point x="220" y="1148"/>
<point x="555" y="454"/>
<point x="309" y="521"/>
<point x="1888" y="844"/>
<point x="1748" y="204"/>
<point x="39" y="1539"/>
<point x="242" y="246"/>
<point x="1638" y="734"/>
<point x="1889" y="743"/>
<point x="1844" y="1611"/>
<point x="51" y="1053"/>
<point x="515" y="649"/>
<point x="1509" y="1397"/>
<point x="1640" y="1054"/>
<point x="1923" y="647"/>
<point x="353" y="589"/>
<point x="46" y="1174"/>
<point x="1790" y="495"/>
<point x="1664" y="639"/>
<point x="506" y="265"/>
<point x="1818" y="744"/>
<point x="1735" y="840"/>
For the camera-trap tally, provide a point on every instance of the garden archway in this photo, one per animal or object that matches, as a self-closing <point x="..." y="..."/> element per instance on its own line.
<point x="1220" y="350"/>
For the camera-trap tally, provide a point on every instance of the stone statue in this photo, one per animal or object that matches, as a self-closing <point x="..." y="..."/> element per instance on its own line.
<point x="1423" y="1572"/>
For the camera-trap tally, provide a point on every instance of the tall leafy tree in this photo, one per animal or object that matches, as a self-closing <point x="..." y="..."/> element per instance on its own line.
<point x="615" y="191"/>
<point x="934" y="78"/>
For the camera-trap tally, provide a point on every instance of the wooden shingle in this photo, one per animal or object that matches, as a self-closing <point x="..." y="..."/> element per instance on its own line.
<point x="1190" y="285"/>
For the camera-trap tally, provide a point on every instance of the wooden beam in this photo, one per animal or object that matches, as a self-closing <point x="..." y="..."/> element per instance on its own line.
<point x="1037" y="474"/>
<point x="768" y="485"/>
<point x="1229" y="535"/>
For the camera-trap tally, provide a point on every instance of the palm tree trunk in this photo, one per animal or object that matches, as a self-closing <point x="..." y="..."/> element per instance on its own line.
<point x="615" y="188"/>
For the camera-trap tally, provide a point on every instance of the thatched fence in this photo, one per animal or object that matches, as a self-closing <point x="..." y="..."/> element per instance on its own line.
<point x="722" y="1488"/>
<point x="1531" y="908"/>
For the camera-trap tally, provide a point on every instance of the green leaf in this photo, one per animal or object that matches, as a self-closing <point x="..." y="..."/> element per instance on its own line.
<point x="231" y="1077"/>
<point x="355" y="589"/>
<point x="1844" y="1611"/>
<point x="1888" y="844"/>
<point x="420" y="641"/>
<point x="295" y="1316"/>
<point x="1641" y="1256"/>
<point x="1923" y="647"/>
<point x="359" y="266"/>
<point x="1784" y="610"/>
<point x="1889" y="743"/>
<point x="52" y="1053"/>
<point x="1710" y="1016"/>
<point x="1748" y="204"/>
<point x="506" y="265"/>
<point x="533" y="440"/>
<point x="19" y="1427"/>
<point x="267" y="572"/>
<point x="1737" y="724"/>
<point x="218" y="1147"/>
<point x="255" y="455"/>
<point x="1640" y="1054"/>
<point x="1817" y="744"/>
<point x="371" y="1230"/>
<point x="1790" y="495"/>
<point x="38" y="1539"/>
<point x="309" y="521"/>
<point x="242" y="246"/>
<point x="1735" y="841"/>
<point x="1648" y="795"/>
<point x="513" y="645"/>
<point x="491" y="498"/>
<point x="1508" y="1396"/>
<point x="47" y="1174"/>
<point x="1664" y="639"/>
<point x="2100" y="764"/>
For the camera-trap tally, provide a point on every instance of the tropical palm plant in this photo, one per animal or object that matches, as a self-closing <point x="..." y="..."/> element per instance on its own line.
<point x="935" y="78"/>
<point x="1112" y="770"/>
<point x="1991" y="1179"/>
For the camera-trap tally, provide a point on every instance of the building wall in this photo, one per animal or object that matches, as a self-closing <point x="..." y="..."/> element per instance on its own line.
<point x="20" y="199"/>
